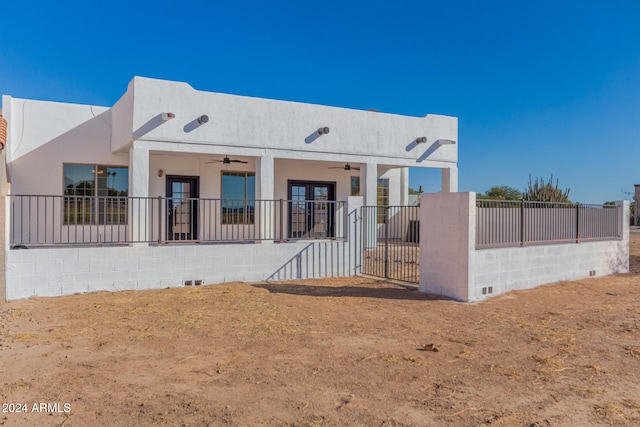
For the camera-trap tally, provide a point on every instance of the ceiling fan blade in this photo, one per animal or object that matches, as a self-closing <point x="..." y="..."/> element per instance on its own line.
<point x="336" y="167"/>
<point x="355" y="168"/>
<point x="227" y="161"/>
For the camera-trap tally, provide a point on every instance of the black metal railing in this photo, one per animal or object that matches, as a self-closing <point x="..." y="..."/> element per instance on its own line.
<point x="38" y="220"/>
<point x="391" y="242"/>
<point x="505" y="223"/>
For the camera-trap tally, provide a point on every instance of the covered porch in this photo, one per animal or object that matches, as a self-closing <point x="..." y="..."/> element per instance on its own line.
<point x="200" y="197"/>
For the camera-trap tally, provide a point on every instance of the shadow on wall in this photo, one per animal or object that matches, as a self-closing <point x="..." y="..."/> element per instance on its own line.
<point x="432" y="148"/>
<point x="320" y="259"/>
<point x="325" y="258"/>
<point x="385" y="290"/>
<point x="618" y="263"/>
<point x="77" y="145"/>
<point x="75" y="140"/>
<point x="148" y="126"/>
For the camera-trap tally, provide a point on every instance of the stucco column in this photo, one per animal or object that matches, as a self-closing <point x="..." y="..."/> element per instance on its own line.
<point x="370" y="199"/>
<point x="370" y="193"/>
<point x="447" y="244"/>
<point x="623" y="229"/>
<point x="265" y="192"/>
<point x="450" y="180"/>
<point x="404" y="186"/>
<point x="139" y="187"/>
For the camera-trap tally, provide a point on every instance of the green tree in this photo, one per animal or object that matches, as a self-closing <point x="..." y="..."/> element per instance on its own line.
<point x="541" y="191"/>
<point x="503" y="192"/>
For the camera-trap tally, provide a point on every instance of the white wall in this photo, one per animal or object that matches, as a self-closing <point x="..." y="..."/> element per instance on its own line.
<point x="291" y="128"/>
<point x="44" y="135"/>
<point x="64" y="271"/>
<point x="450" y="265"/>
<point x="508" y="269"/>
<point x="192" y="165"/>
<point x="122" y="118"/>
<point x="446" y="244"/>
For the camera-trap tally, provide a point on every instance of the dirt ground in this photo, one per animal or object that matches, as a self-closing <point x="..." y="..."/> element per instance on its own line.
<point x="325" y="352"/>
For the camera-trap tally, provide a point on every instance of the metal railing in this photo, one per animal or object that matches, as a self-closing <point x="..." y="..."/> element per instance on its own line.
<point x="391" y="242"/>
<point x="98" y="220"/>
<point x="507" y="223"/>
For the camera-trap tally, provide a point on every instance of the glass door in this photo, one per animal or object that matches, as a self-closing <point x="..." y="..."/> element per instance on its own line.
<point x="311" y="209"/>
<point x="320" y="212"/>
<point x="182" y="207"/>
<point x="297" y="211"/>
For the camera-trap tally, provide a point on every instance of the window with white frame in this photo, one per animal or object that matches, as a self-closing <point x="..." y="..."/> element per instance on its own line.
<point x="95" y="194"/>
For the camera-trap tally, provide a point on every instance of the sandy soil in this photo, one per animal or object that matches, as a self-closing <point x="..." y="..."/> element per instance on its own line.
<point x="326" y="352"/>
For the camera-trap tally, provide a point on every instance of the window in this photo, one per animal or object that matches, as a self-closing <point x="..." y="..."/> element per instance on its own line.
<point x="238" y="197"/>
<point x="355" y="185"/>
<point x="95" y="194"/>
<point x="383" y="197"/>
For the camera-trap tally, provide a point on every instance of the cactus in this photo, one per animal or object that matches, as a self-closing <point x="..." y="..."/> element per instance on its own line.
<point x="540" y="191"/>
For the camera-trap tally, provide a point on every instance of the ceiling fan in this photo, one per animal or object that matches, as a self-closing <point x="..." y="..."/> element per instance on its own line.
<point x="346" y="167"/>
<point x="227" y="161"/>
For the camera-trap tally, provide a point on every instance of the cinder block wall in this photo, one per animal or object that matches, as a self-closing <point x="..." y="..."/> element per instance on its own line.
<point x="65" y="271"/>
<point x="451" y="266"/>
<point x="508" y="269"/>
<point x="446" y="244"/>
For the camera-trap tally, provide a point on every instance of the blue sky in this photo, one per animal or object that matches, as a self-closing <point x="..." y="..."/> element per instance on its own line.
<point x="541" y="88"/>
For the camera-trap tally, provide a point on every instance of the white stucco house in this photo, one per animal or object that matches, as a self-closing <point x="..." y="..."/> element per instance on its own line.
<point x="173" y="186"/>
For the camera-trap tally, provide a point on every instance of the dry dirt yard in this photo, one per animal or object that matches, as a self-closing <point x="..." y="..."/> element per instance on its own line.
<point x="325" y="352"/>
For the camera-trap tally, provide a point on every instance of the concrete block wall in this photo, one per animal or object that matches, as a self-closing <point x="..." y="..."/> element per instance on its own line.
<point x="508" y="269"/>
<point x="445" y="244"/>
<point x="65" y="271"/>
<point x="451" y="266"/>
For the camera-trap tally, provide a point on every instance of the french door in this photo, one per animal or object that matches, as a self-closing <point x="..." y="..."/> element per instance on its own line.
<point x="311" y="209"/>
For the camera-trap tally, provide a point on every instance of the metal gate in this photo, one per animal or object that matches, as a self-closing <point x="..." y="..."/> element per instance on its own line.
<point x="391" y="242"/>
